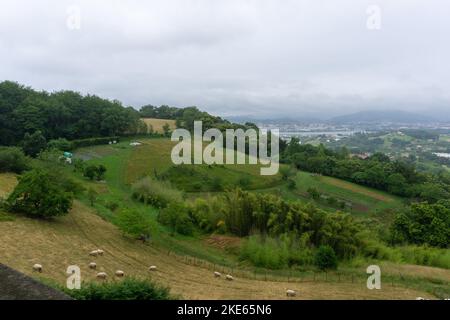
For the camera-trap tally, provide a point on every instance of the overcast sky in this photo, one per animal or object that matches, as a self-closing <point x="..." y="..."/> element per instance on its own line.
<point x="267" y="58"/>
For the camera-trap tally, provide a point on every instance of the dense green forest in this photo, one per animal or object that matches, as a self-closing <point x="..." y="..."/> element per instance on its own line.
<point x="25" y="112"/>
<point x="185" y="117"/>
<point x="378" y="171"/>
<point x="63" y="114"/>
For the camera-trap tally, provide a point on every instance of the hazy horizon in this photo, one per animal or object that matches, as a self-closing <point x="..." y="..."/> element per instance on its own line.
<point x="231" y="58"/>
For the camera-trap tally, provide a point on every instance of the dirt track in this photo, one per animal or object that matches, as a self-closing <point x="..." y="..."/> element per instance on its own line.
<point x="68" y="241"/>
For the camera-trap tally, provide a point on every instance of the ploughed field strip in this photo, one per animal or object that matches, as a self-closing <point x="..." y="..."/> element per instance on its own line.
<point x="68" y="241"/>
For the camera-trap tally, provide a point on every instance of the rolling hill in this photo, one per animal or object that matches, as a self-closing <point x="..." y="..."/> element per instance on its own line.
<point x="68" y="241"/>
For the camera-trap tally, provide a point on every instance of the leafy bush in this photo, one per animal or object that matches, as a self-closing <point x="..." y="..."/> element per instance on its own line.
<point x="291" y="184"/>
<point x="97" y="172"/>
<point x="34" y="143"/>
<point x="128" y="289"/>
<point x="176" y="216"/>
<point x="135" y="224"/>
<point x="277" y="253"/>
<point x="206" y="214"/>
<point x="39" y="194"/>
<point x="157" y="193"/>
<point x="93" y="141"/>
<point x="60" y="144"/>
<point x="13" y="160"/>
<point x="314" y="193"/>
<point x="423" y="223"/>
<point x="267" y="253"/>
<point x="325" y="258"/>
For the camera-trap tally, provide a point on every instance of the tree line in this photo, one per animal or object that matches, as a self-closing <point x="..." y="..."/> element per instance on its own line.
<point x="62" y="114"/>
<point x="377" y="171"/>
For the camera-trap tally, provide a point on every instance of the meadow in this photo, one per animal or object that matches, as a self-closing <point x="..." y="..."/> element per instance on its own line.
<point x="186" y="263"/>
<point x="68" y="240"/>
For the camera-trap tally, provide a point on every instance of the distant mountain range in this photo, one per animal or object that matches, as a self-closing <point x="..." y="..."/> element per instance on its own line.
<point x="275" y="120"/>
<point x="362" y="117"/>
<point x="392" y="116"/>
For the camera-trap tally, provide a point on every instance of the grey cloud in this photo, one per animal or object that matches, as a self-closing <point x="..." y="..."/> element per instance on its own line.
<point x="235" y="57"/>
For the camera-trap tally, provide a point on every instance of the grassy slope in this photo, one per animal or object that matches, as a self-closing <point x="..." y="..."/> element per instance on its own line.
<point x="121" y="162"/>
<point x="68" y="240"/>
<point x="154" y="157"/>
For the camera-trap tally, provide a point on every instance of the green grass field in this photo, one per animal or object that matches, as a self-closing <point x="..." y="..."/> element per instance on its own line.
<point x="126" y="164"/>
<point x="359" y="200"/>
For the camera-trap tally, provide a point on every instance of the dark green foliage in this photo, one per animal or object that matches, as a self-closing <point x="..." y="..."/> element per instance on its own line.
<point x="60" y="144"/>
<point x="244" y="182"/>
<point x="39" y="194"/>
<point x="34" y="143"/>
<point x="13" y="160"/>
<point x="93" y="171"/>
<point x="90" y="172"/>
<point x="176" y="216"/>
<point x="291" y="184"/>
<point x="63" y="114"/>
<point x="78" y="165"/>
<point x="127" y="289"/>
<point x="206" y="214"/>
<point x="245" y="212"/>
<point x="313" y="193"/>
<point x="423" y="223"/>
<point x="325" y="258"/>
<point x="166" y="130"/>
<point x="101" y="170"/>
<point x="378" y="171"/>
<point x="93" y="141"/>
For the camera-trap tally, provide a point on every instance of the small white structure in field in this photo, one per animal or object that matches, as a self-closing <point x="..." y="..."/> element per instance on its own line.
<point x="100" y="252"/>
<point x="120" y="273"/>
<point x="102" y="275"/>
<point x="37" y="267"/>
<point x="92" y="265"/>
<point x="229" y="277"/>
<point x="134" y="144"/>
<point x="291" y="293"/>
<point x="217" y="274"/>
<point x="152" y="268"/>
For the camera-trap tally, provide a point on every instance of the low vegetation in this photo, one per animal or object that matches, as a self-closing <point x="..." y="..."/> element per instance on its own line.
<point x="157" y="193"/>
<point x="127" y="289"/>
<point x="12" y="159"/>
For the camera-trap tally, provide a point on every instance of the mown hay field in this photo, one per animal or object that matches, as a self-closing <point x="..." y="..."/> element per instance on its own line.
<point x="158" y="124"/>
<point x="68" y="241"/>
<point x="65" y="241"/>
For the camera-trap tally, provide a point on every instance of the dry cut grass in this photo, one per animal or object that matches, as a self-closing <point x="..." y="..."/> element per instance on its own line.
<point x="158" y="124"/>
<point x="7" y="183"/>
<point x="68" y="241"/>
